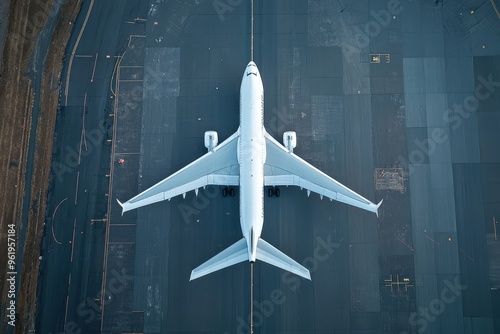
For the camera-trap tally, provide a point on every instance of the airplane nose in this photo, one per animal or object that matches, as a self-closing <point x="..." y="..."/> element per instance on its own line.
<point x="252" y="69"/>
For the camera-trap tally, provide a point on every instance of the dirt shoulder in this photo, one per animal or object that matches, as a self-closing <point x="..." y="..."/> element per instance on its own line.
<point x="16" y="104"/>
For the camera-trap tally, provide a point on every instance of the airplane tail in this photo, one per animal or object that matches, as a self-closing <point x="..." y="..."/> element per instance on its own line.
<point x="267" y="253"/>
<point x="234" y="254"/>
<point x="238" y="252"/>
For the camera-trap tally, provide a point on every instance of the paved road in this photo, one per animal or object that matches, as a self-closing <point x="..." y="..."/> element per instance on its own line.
<point x="363" y="108"/>
<point x="73" y="248"/>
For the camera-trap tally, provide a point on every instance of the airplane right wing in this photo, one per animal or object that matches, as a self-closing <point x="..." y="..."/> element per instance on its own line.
<point x="217" y="167"/>
<point x="283" y="168"/>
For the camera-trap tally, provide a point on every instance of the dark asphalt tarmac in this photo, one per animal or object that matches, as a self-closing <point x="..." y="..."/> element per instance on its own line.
<point x="70" y="277"/>
<point x="352" y="113"/>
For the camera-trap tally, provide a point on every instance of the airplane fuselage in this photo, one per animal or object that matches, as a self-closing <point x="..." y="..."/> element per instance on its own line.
<point x="251" y="157"/>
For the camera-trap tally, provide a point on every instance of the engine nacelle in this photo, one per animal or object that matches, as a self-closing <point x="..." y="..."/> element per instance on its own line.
<point x="211" y="140"/>
<point x="290" y="140"/>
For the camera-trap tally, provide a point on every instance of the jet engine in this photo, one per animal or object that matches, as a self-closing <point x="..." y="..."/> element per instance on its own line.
<point x="211" y="140"/>
<point x="290" y="140"/>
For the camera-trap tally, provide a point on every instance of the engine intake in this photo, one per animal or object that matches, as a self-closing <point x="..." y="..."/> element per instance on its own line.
<point x="290" y="140"/>
<point x="211" y="140"/>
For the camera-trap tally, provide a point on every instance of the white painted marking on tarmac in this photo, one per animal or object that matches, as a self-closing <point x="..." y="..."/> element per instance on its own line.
<point x="76" y="191"/>
<point x="93" y="71"/>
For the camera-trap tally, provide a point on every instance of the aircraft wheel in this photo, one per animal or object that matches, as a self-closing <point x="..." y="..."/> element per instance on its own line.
<point x="224" y="192"/>
<point x="277" y="192"/>
<point x="270" y="192"/>
<point x="231" y="192"/>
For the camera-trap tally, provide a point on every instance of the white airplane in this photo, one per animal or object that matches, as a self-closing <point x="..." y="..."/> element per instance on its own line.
<point x="251" y="159"/>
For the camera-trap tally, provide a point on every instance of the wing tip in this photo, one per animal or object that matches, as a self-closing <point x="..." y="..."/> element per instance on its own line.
<point x="377" y="206"/>
<point x="304" y="274"/>
<point x="195" y="275"/>
<point x="121" y="204"/>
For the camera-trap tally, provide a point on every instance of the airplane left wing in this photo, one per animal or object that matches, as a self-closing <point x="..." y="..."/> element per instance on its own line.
<point x="217" y="167"/>
<point x="283" y="168"/>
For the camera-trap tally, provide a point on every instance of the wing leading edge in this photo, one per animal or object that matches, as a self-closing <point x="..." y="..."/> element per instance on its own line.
<point x="283" y="168"/>
<point x="217" y="167"/>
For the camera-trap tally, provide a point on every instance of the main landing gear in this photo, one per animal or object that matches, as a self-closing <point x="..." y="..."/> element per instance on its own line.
<point x="228" y="191"/>
<point x="273" y="192"/>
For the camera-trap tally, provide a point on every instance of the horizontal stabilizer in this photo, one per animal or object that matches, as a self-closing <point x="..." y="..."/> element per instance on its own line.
<point x="271" y="255"/>
<point x="236" y="253"/>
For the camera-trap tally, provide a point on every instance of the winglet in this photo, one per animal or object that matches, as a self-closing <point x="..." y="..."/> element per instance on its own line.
<point x="378" y="205"/>
<point x="123" y="209"/>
